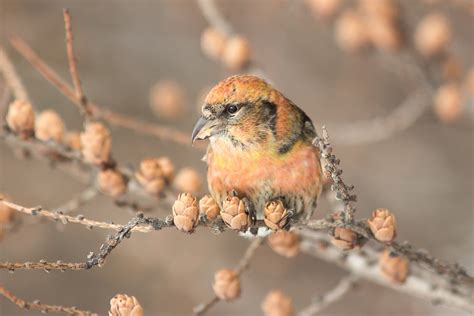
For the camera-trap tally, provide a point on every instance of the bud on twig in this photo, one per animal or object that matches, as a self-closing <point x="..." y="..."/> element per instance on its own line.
<point x="448" y="103"/>
<point x="383" y="225"/>
<point x="324" y="8"/>
<point x="21" y="118"/>
<point x="188" y="180"/>
<point x="351" y="32"/>
<point x="380" y="9"/>
<point x="226" y="284"/>
<point x="185" y="212"/>
<point x="432" y="35"/>
<point x="73" y="140"/>
<point x="49" y="126"/>
<point x="111" y="182"/>
<point x="236" y="54"/>
<point x="167" y="168"/>
<point x="213" y="43"/>
<point x="151" y="176"/>
<point x="208" y="206"/>
<point x="344" y="238"/>
<point x="284" y="243"/>
<point x="96" y="143"/>
<point x="393" y="267"/>
<point x="275" y="215"/>
<point x="124" y="305"/>
<point x="276" y="303"/>
<point x="233" y="213"/>
<point x="167" y="99"/>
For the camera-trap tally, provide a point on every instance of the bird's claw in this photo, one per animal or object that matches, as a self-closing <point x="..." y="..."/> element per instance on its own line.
<point x="250" y="208"/>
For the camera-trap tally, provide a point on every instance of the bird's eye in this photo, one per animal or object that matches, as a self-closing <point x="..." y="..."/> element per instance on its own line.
<point x="232" y="109"/>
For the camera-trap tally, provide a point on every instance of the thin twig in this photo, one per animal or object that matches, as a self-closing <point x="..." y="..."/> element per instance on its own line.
<point x="113" y="118"/>
<point x="337" y="293"/>
<point x="44" y="308"/>
<point x="79" y="219"/>
<point x="43" y="265"/>
<point x="243" y="264"/>
<point x="248" y="255"/>
<point x="79" y="200"/>
<point x="333" y="172"/>
<point x="384" y="127"/>
<point x="215" y="18"/>
<point x="11" y="77"/>
<point x="72" y="60"/>
<point x="202" y="308"/>
<point x="124" y="232"/>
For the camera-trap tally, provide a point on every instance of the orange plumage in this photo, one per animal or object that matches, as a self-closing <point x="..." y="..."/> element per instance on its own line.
<point x="260" y="146"/>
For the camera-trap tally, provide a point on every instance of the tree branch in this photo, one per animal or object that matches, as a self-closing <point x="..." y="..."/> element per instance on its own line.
<point x="80" y="96"/>
<point x="43" y="308"/>
<point x="337" y="293"/>
<point x="113" y="118"/>
<point x="11" y="77"/>
<point x="243" y="264"/>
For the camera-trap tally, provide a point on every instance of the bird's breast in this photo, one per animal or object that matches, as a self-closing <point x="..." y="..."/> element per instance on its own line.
<point x="259" y="173"/>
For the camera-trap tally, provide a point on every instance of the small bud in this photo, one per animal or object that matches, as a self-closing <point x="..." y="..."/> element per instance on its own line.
<point x="448" y="103"/>
<point x="167" y="168"/>
<point x="394" y="268"/>
<point x="73" y="140"/>
<point x="208" y="206"/>
<point x="233" y="213"/>
<point x="21" y="118"/>
<point x="49" y="126"/>
<point x="324" y="8"/>
<point x="383" y="225"/>
<point x="236" y="54"/>
<point x="151" y="176"/>
<point x="96" y="143"/>
<point x="276" y="303"/>
<point x="274" y="215"/>
<point x="432" y="35"/>
<point x="344" y="239"/>
<point x="188" y="180"/>
<point x="226" y="284"/>
<point x="185" y="212"/>
<point x="352" y="34"/>
<point x="384" y="35"/>
<point x="386" y="10"/>
<point x="284" y="243"/>
<point x="111" y="182"/>
<point x="212" y="43"/>
<point x="124" y="305"/>
<point x="7" y="214"/>
<point x="167" y="100"/>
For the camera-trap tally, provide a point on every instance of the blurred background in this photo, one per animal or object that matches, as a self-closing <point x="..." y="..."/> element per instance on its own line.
<point x="423" y="174"/>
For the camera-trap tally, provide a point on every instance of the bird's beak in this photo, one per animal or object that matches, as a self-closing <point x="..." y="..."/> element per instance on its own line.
<point x="203" y="129"/>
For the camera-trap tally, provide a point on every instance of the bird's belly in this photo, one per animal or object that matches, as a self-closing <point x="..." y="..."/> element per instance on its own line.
<point x="295" y="178"/>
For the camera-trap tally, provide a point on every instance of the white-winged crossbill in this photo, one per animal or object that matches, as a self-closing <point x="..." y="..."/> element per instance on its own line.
<point x="260" y="147"/>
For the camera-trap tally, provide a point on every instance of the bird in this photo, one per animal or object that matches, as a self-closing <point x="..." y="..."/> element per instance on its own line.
<point x="260" y="147"/>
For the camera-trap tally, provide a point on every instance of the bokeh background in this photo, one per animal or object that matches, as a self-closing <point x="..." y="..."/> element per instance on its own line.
<point x="424" y="174"/>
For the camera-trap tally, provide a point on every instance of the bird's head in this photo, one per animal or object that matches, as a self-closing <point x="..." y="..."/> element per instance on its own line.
<point x="242" y="108"/>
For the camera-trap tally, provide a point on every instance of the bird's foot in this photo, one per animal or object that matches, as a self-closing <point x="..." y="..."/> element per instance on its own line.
<point x="250" y="209"/>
